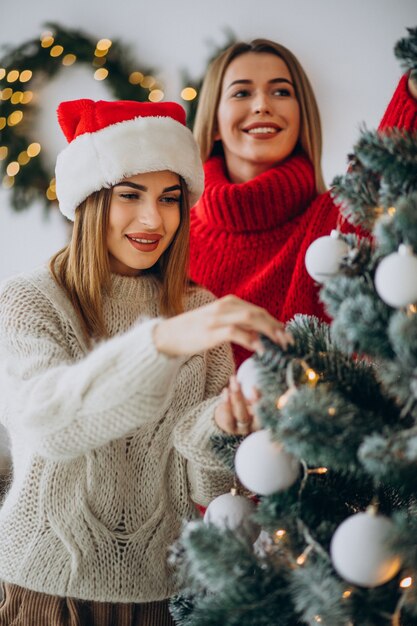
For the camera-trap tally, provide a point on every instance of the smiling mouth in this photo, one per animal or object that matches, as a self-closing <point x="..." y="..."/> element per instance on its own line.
<point x="262" y="130"/>
<point x="150" y="241"/>
<point x="143" y="244"/>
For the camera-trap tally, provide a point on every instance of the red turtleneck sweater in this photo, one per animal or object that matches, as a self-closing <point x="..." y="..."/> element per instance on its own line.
<point x="250" y="238"/>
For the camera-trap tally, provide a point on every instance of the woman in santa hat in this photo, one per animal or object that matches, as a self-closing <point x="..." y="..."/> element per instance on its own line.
<point x="111" y="364"/>
<point x="265" y="200"/>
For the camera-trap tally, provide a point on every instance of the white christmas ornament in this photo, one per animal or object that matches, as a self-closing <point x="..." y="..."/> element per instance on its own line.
<point x="323" y="256"/>
<point x="248" y="377"/>
<point x="359" y="552"/>
<point x="263" y="466"/>
<point x="396" y="278"/>
<point x="232" y="511"/>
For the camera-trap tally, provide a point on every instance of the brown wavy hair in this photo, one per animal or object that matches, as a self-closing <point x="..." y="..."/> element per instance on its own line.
<point x="82" y="268"/>
<point x="205" y="126"/>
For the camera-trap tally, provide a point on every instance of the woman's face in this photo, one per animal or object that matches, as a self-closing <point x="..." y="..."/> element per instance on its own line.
<point x="143" y="219"/>
<point x="258" y="117"/>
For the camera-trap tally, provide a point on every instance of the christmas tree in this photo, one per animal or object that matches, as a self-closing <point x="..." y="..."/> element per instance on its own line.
<point x="334" y="468"/>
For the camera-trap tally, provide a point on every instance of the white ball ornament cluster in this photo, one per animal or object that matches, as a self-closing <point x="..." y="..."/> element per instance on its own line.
<point x="248" y="377"/>
<point x="324" y="255"/>
<point x="264" y="466"/>
<point x="232" y="511"/>
<point x="359" y="552"/>
<point x="396" y="278"/>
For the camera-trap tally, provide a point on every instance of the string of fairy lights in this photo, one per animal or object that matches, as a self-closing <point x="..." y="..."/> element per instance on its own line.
<point x="25" y="69"/>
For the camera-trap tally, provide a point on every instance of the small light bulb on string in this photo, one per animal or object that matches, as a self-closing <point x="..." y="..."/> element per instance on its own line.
<point x="25" y="76"/>
<point x="346" y="594"/>
<point x="188" y="93"/>
<point x="69" y="59"/>
<point x="135" y="78"/>
<point x="279" y="535"/>
<point x="411" y="310"/>
<point x="47" y="39"/>
<point x="391" y="211"/>
<point x="406" y="582"/>
<point x="304" y="556"/>
<point x="318" y="619"/>
<point x="33" y="149"/>
<point x="318" y="470"/>
<point x="101" y="74"/>
<point x="2" y="73"/>
<point x="12" y="76"/>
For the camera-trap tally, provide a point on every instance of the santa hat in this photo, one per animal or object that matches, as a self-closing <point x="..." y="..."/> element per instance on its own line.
<point x="109" y="141"/>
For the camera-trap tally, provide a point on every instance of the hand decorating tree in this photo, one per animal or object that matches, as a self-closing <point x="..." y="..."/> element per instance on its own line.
<point x="335" y="464"/>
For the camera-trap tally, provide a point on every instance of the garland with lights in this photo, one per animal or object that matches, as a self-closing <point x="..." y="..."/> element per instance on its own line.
<point x="23" y="70"/>
<point x="191" y="90"/>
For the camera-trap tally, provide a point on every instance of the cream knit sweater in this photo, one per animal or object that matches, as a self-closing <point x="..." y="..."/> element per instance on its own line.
<point x="110" y="446"/>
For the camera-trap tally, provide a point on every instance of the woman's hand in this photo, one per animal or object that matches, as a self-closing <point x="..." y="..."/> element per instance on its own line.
<point x="412" y="83"/>
<point x="234" y="415"/>
<point x="227" y="319"/>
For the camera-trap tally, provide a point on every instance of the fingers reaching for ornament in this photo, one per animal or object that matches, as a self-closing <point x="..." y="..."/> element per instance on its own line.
<point x="235" y="415"/>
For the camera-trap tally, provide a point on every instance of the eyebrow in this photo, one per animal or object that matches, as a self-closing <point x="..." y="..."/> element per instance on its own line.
<point x="143" y="188"/>
<point x="244" y="81"/>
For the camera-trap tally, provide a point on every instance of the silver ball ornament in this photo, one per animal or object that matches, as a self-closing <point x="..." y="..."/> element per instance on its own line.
<point x="248" y="377"/>
<point x="323" y="256"/>
<point x="232" y="511"/>
<point x="263" y="465"/>
<point x="396" y="278"/>
<point x="359" y="552"/>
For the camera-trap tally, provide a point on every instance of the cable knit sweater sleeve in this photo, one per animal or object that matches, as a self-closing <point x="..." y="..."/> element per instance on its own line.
<point x="207" y="475"/>
<point x="65" y="408"/>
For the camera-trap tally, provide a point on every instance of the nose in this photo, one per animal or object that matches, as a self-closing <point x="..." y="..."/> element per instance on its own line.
<point x="261" y="104"/>
<point x="148" y="215"/>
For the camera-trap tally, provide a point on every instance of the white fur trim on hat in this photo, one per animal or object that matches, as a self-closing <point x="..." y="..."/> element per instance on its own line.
<point x="144" y="144"/>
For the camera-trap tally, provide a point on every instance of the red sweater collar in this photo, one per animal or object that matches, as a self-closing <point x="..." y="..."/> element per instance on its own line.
<point x="268" y="201"/>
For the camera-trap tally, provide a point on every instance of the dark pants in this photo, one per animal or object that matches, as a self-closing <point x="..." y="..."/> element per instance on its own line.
<point x="22" y="607"/>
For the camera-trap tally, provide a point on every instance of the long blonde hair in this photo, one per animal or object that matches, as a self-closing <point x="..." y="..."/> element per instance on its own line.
<point x="205" y="126"/>
<point x="82" y="268"/>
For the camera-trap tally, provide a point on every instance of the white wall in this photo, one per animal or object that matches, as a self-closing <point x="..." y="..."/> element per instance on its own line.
<point x="346" y="49"/>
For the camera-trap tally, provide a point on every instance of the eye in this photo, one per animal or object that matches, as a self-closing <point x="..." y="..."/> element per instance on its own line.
<point x="282" y="92"/>
<point x="242" y="93"/>
<point x="129" y="195"/>
<point x="171" y="199"/>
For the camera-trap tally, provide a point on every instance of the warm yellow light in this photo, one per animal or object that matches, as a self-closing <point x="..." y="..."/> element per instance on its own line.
<point x="25" y="76"/>
<point x="2" y="122"/>
<point x="156" y="95"/>
<point x="135" y="78"/>
<point x="69" y="59"/>
<point x="26" y="97"/>
<point x="56" y="51"/>
<point x="347" y="593"/>
<point x="12" y="76"/>
<point x="392" y="210"/>
<point x="279" y="534"/>
<point x="4" y="151"/>
<point x="100" y="53"/>
<point x="2" y="73"/>
<point x="318" y="619"/>
<point x="50" y="194"/>
<point x="6" y="93"/>
<point x="301" y="559"/>
<point x="188" y="93"/>
<point x="411" y="309"/>
<point x="8" y="181"/>
<point x="311" y="374"/>
<point x="148" y="82"/>
<point x="103" y="44"/>
<point x="331" y="410"/>
<point x="101" y="74"/>
<point x="34" y="149"/>
<point x="52" y="184"/>
<point x="15" y="118"/>
<point x="13" y="168"/>
<point x="16" y="97"/>
<point x="406" y="582"/>
<point x="318" y="470"/>
<point x="47" y="40"/>
<point x="23" y="158"/>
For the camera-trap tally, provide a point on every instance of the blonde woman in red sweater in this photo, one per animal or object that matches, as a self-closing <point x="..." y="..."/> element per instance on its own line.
<point x="265" y="200"/>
